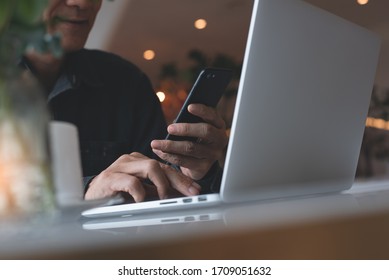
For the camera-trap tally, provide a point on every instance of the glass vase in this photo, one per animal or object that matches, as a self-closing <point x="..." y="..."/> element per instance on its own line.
<point x="26" y="187"/>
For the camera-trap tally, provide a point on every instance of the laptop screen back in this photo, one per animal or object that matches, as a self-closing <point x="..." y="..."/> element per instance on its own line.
<point x="302" y="103"/>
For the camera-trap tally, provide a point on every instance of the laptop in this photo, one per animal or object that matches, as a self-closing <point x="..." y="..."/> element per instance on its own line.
<point x="268" y="212"/>
<point x="301" y="108"/>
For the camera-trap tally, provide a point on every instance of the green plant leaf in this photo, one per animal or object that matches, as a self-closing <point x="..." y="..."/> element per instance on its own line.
<point x="29" y="12"/>
<point x="5" y="12"/>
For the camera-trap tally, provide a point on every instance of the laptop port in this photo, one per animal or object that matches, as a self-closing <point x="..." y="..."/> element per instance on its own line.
<point x="167" y="202"/>
<point x="170" y="220"/>
<point x="204" y="218"/>
<point x="189" y="219"/>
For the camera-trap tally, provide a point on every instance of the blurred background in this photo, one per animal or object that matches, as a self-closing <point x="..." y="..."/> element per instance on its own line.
<point x="172" y="40"/>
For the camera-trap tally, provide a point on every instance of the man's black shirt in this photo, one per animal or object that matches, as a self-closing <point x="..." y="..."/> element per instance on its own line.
<point x="113" y="105"/>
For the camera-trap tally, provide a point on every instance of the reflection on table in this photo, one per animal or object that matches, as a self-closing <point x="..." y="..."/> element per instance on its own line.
<point x="349" y="225"/>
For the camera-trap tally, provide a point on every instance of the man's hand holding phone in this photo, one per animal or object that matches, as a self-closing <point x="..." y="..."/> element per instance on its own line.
<point x="198" y="137"/>
<point x="195" y="158"/>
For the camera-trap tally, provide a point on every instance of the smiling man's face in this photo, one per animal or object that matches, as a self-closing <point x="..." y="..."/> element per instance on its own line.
<point x="73" y="19"/>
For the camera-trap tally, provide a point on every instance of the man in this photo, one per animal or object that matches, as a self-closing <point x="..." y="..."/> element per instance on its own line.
<point x="119" y="118"/>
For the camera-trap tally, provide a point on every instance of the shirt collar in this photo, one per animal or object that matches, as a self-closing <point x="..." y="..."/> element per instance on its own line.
<point x="81" y="69"/>
<point x="78" y="70"/>
<point x="63" y="84"/>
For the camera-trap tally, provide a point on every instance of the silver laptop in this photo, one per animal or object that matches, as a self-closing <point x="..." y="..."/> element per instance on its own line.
<point x="300" y="114"/>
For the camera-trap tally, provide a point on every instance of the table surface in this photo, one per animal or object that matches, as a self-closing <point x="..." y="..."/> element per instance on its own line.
<point x="350" y="225"/>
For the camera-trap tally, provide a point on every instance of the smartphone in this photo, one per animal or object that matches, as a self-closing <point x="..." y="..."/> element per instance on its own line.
<point x="208" y="89"/>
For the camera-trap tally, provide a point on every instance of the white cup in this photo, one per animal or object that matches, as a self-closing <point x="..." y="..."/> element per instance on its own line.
<point x="66" y="163"/>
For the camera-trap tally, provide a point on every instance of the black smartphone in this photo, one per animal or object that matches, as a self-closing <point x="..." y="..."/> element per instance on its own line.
<point x="208" y="89"/>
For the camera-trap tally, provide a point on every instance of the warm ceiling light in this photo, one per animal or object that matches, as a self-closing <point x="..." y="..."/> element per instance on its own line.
<point x="200" y="23"/>
<point x="161" y="96"/>
<point x="149" y="55"/>
<point x="362" y="2"/>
